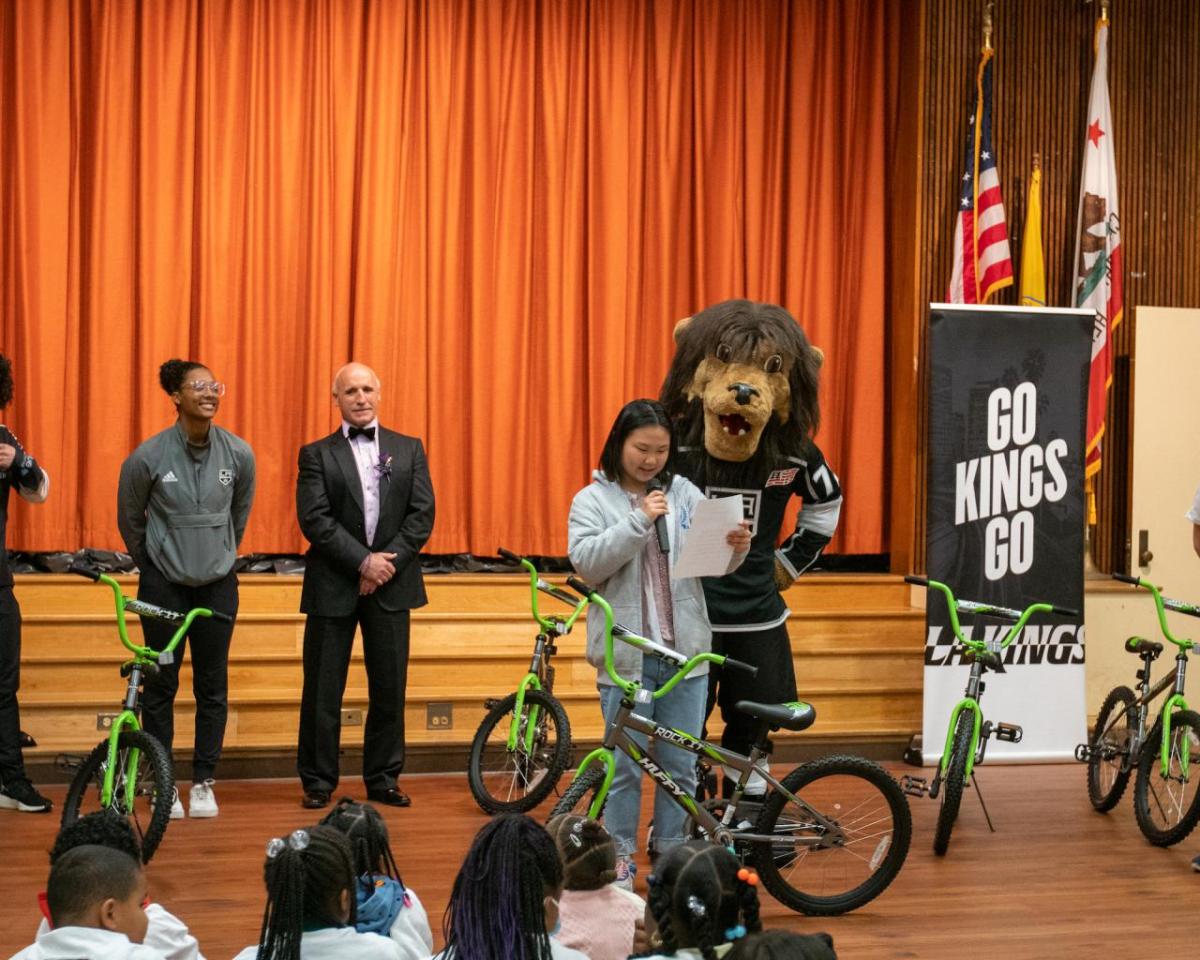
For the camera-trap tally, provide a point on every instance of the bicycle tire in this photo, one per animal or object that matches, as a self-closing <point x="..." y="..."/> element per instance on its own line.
<point x="154" y="779"/>
<point x="1112" y="733"/>
<point x="529" y="777"/>
<point x="1185" y="727"/>
<point x="578" y="797"/>
<point x="955" y="780"/>
<point x="890" y="847"/>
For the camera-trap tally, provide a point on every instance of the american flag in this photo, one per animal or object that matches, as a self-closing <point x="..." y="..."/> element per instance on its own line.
<point x="982" y="263"/>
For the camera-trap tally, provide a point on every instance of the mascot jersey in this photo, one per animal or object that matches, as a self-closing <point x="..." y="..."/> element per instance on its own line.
<point x="747" y="600"/>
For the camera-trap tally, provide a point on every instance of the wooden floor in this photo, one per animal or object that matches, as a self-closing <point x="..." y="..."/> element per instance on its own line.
<point x="1055" y="880"/>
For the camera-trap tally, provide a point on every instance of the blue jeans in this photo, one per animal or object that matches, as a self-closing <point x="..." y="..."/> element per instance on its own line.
<point x="682" y="708"/>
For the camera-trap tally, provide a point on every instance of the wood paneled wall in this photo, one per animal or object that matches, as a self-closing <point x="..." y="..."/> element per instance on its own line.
<point x="1043" y="68"/>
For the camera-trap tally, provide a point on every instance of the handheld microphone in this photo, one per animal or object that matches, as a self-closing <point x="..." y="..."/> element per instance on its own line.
<point x="660" y="523"/>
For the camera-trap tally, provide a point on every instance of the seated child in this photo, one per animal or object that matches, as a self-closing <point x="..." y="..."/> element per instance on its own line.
<point x="784" y="945"/>
<point x="701" y="902"/>
<point x="598" y="917"/>
<point x="165" y="932"/>
<point x="311" y="902"/>
<point x="95" y="899"/>
<point x="505" y="898"/>
<point x="384" y="905"/>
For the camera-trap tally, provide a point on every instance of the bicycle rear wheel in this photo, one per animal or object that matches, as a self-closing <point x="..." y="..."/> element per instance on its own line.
<point x="1109" y="762"/>
<point x="814" y="872"/>
<point x="954" y="781"/>
<point x="143" y="787"/>
<point x="1167" y="807"/>
<point x="517" y="780"/>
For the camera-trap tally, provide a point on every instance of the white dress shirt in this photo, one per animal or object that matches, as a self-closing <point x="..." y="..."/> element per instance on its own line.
<point x="366" y="456"/>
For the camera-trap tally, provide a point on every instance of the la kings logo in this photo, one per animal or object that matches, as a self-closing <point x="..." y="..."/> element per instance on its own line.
<point x="751" y="502"/>
<point x="1057" y="645"/>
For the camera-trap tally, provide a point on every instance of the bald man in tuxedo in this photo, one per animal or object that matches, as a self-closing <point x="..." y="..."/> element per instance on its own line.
<point x="364" y="499"/>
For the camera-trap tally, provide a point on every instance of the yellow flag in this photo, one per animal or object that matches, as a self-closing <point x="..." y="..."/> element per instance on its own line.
<point x="1033" y="264"/>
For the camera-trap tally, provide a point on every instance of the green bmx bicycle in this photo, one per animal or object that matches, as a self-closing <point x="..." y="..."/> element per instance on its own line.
<point x="967" y="733"/>
<point x="130" y="773"/>
<point x="523" y="744"/>
<point x="829" y="837"/>
<point x="1166" y="793"/>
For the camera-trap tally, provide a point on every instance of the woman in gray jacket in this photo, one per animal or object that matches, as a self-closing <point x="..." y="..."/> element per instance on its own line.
<point x="613" y="545"/>
<point x="182" y="505"/>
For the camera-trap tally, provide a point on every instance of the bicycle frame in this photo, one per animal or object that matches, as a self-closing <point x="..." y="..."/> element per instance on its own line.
<point x="550" y="626"/>
<point x="617" y="737"/>
<point x="143" y="656"/>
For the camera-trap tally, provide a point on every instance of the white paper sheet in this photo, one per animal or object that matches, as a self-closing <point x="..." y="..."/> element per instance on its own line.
<point x="705" y="551"/>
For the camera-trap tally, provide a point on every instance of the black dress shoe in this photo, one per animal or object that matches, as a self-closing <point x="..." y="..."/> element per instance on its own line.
<point x="392" y="796"/>
<point x="315" y="799"/>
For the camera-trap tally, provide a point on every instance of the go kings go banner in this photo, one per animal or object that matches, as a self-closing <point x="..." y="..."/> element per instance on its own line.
<point x="1005" y="515"/>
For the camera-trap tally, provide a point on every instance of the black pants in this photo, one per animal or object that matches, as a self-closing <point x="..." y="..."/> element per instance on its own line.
<point x="771" y="651"/>
<point x="209" y="640"/>
<point x="327" y="643"/>
<point x="12" y="766"/>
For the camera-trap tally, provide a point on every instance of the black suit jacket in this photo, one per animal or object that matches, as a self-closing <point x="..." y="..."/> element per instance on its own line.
<point x="329" y="505"/>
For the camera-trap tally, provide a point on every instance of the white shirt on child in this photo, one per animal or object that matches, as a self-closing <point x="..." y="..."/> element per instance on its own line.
<point x="338" y="943"/>
<point x="90" y="943"/>
<point x="1194" y="513"/>
<point x="411" y="930"/>
<point x="165" y="933"/>
<point x="685" y="953"/>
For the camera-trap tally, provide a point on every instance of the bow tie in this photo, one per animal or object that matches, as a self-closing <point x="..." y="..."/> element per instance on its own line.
<point x="368" y="432"/>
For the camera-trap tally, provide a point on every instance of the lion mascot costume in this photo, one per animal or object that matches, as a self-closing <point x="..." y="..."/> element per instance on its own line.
<point x="742" y="390"/>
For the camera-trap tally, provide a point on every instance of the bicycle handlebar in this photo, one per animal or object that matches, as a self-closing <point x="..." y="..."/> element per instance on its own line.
<point x="1124" y="579"/>
<point x="536" y="583"/>
<point x="1161" y="605"/>
<point x="953" y="605"/>
<point x="739" y="665"/>
<point x="507" y="555"/>
<point x="83" y="571"/>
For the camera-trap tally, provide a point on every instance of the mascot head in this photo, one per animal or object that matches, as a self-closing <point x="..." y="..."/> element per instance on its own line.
<point x="745" y="378"/>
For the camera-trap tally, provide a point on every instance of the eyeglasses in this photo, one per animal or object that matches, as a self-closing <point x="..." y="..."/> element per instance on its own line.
<point x="206" y="386"/>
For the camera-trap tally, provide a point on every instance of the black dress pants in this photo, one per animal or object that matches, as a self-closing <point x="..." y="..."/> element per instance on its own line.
<point x="12" y="766"/>
<point x="327" y="643"/>
<point x="209" y="641"/>
<point x="771" y="651"/>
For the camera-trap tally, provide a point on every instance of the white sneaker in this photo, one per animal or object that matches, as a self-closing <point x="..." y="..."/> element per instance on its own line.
<point x="626" y="871"/>
<point x="202" y="802"/>
<point x="176" y="805"/>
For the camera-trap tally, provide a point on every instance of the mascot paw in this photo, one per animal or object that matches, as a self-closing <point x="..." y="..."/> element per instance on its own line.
<point x="783" y="579"/>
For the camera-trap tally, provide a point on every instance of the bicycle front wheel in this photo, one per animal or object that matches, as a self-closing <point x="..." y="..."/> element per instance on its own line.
<point x="1167" y="807"/>
<point x="143" y="787"/>
<point x="954" y="781"/>
<point x="1109" y="760"/>
<point x="821" y="873"/>
<point x="578" y="797"/>
<point x="517" y="780"/>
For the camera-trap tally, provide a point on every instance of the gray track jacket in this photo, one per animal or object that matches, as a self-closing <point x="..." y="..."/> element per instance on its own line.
<point x="605" y="540"/>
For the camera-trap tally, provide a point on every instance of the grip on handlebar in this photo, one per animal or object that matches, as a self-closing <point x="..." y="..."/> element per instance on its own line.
<point x="223" y="617"/>
<point x="507" y="555"/>
<point x="1124" y="579"/>
<point x="916" y="581"/>
<point x="1066" y="611"/>
<point x="579" y="586"/>
<point x="83" y="571"/>
<point x="739" y="665"/>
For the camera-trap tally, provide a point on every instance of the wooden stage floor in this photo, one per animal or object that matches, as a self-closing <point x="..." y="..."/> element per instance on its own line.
<point x="1055" y="880"/>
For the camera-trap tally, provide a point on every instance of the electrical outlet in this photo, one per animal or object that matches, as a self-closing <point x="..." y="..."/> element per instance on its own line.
<point x="352" y="718"/>
<point x="104" y="721"/>
<point x="439" y="716"/>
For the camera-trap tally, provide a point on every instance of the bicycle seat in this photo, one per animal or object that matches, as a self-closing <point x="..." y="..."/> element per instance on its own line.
<point x="790" y="716"/>
<point x="1143" y="647"/>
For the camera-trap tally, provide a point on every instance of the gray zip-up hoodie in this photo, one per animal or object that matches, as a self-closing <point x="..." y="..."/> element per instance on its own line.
<point x="605" y="540"/>
<point x="184" y="508"/>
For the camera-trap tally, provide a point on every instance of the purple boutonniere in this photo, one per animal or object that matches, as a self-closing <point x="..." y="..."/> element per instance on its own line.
<point x="384" y="467"/>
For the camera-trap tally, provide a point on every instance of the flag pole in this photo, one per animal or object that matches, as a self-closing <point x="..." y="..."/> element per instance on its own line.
<point x="988" y="6"/>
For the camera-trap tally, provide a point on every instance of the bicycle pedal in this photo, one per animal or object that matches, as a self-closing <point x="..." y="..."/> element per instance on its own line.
<point x="1083" y="752"/>
<point x="1009" y="732"/>
<point x="68" y="761"/>
<point x="915" y="786"/>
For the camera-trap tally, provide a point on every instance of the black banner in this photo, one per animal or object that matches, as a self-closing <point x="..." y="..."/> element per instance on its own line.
<point x="1007" y="411"/>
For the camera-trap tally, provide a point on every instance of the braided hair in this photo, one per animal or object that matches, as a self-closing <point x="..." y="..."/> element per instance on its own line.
<point x="305" y="877"/>
<point x="172" y="373"/>
<point x="588" y="853"/>
<point x="6" y="381"/>
<point x="368" y="835"/>
<point x="497" y="907"/>
<point x="784" y="945"/>
<point x="697" y="898"/>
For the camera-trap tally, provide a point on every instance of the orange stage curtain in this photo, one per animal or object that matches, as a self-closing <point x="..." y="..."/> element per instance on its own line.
<point x="502" y="206"/>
